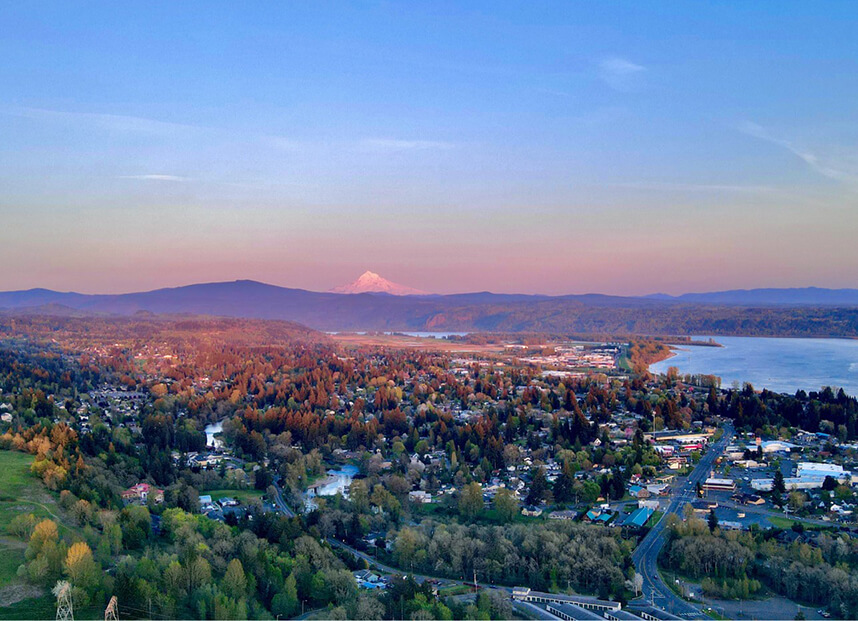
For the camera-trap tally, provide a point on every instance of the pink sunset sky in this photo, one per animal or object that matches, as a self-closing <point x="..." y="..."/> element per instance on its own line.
<point x="513" y="148"/>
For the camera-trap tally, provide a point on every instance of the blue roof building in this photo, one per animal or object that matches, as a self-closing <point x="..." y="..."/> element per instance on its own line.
<point x="639" y="517"/>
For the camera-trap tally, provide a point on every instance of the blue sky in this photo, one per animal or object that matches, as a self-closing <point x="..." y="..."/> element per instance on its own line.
<point x="619" y="147"/>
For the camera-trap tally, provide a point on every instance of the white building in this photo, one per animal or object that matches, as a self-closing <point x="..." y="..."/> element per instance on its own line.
<point x="420" y="496"/>
<point x="809" y="468"/>
<point x="809" y="475"/>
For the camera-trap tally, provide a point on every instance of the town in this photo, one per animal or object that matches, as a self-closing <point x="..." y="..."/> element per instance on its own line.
<point x="437" y="478"/>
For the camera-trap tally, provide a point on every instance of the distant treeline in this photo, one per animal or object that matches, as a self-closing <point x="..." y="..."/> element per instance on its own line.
<point x="563" y="317"/>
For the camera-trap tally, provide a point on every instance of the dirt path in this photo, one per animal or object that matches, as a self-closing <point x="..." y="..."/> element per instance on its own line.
<point x="7" y="543"/>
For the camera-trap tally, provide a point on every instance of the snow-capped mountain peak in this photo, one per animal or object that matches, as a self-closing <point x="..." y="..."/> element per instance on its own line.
<point x="370" y="282"/>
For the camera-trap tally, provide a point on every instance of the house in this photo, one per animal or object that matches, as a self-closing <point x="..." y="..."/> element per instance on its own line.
<point x="141" y="493"/>
<point x="207" y="505"/>
<point x="638" y="491"/>
<point x="531" y="511"/>
<point x="639" y="517"/>
<point x="563" y="515"/>
<point x="592" y="515"/>
<point x="366" y="575"/>
<point x="419" y="496"/>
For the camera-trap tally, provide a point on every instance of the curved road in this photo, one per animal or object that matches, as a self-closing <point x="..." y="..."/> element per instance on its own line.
<point x="278" y="500"/>
<point x="393" y="570"/>
<point x="645" y="557"/>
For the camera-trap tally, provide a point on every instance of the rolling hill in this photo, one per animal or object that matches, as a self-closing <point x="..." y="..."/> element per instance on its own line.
<point x="724" y="313"/>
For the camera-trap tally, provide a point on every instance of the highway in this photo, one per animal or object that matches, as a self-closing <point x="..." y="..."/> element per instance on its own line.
<point x="645" y="557"/>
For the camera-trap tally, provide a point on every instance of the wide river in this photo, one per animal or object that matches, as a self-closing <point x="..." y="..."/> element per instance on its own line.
<point x="781" y="365"/>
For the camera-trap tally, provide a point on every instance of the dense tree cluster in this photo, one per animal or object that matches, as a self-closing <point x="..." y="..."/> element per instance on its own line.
<point x="816" y="567"/>
<point x="545" y="556"/>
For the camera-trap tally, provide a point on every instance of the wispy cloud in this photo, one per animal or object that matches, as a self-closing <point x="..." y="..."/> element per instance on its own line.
<point x="619" y="73"/>
<point x="110" y="122"/>
<point x="822" y="165"/>
<point x="389" y="145"/>
<point x="119" y="123"/>
<point x="156" y="177"/>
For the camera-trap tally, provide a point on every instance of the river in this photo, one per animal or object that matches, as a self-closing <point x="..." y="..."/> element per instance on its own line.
<point x="336" y="482"/>
<point x="779" y="364"/>
<point x="211" y="430"/>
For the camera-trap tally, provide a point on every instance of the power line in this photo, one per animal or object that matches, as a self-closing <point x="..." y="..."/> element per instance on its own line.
<point x="65" y="611"/>
<point x="111" y="611"/>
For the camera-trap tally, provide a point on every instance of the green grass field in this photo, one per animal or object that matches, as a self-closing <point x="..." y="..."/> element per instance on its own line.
<point x="45" y="607"/>
<point x="21" y="492"/>
<point x="10" y="558"/>
<point x="787" y="523"/>
<point x="780" y="522"/>
<point x="241" y="495"/>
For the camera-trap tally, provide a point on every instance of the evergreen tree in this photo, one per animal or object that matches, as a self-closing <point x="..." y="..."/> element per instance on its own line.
<point x="778" y="484"/>
<point x="713" y="521"/>
<point x="538" y="486"/>
<point x="563" y="486"/>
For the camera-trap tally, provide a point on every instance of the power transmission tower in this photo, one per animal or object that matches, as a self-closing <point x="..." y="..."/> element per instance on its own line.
<point x="111" y="611"/>
<point x="62" y="590"/>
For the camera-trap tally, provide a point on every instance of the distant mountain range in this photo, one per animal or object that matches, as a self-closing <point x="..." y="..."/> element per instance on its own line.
<point x="804" y="296"/>
<point x="762" y="312"/>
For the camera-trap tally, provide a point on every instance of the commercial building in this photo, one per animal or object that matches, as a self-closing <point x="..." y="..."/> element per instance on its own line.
<point x="809" y="475"/>
<point x="719" y="485"/>
<point x="571" y="612"/>
<point x="525" y="594"/>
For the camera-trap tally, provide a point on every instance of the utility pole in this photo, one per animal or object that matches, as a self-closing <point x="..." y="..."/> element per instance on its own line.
<point x="110" y="613"/>
<point x="62" y="591"/>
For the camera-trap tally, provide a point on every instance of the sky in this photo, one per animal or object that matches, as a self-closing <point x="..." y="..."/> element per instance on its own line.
<point x="536" y="147"/>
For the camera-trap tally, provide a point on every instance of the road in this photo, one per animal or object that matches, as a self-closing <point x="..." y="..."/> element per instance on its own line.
<point x="420" y="578"/>
<point x="357" y="553"/>
<point x="279" y="502"/>
<point x="645" y="557"/>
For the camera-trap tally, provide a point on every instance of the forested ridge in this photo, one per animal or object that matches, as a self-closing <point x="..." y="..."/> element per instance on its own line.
<point x="594" y="314"/>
